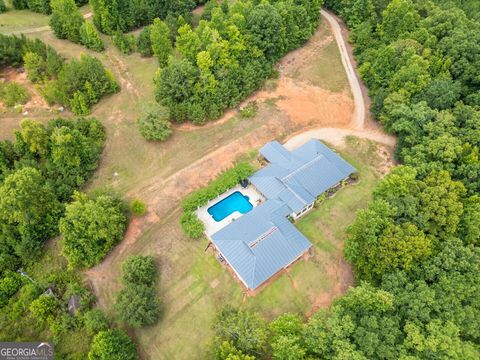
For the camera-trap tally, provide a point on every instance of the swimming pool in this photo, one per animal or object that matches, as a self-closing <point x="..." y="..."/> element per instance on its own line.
<point x="233" y="202"/>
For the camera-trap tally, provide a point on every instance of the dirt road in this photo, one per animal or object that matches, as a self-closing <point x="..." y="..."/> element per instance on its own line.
<point x="358" y="119"/>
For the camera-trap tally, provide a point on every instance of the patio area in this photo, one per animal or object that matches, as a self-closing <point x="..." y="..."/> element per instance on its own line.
<point x="212" y="226"/>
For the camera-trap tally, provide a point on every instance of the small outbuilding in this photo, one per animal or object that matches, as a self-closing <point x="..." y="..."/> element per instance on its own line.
<point x="74" y="304"/>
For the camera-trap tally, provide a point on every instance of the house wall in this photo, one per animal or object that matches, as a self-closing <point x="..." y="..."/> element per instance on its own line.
<point x="304" y="211"/>
<point x="230" y="265"/>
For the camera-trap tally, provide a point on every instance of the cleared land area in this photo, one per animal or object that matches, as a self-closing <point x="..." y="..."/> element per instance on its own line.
<point x="311" y="92"/>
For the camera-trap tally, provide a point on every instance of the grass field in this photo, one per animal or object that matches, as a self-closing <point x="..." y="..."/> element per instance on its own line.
<point x="317" y="70"/>
<point x="20" y="20"/>
<point x="16" y="21"/>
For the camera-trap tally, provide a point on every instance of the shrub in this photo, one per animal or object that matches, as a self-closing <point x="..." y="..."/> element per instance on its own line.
<point x="154" y="124"/>
<point x="39" y="6"/>
<point x="246" y="331"/>
<point x="140" y="270"/>
<point x="9" y="285"/>
<point x="250" y="110"/>
<point x="138" y="207"/>
<point x="137" y="303"/>
<point x="3" y="8"/>
<point x="41" y="62"/>
<point x="13" y="94"/>
<point x="20" y="4"/>
<point x="34" y="66"/>
<point x="222" y="183"/>
<point x="160" y="38"/>
<point x="90" y="37"/>
<point x="81" y="83"/>
<point x="191" y="225"/>
<point x="12" y="50"/>
<point x="44" y="307"/>
<point x="144" y="44"/>
<point x="189" y="221"/>
<point x="95" y="321"/>
<point x="124" y="42"/>
<point x="112" y="345"/>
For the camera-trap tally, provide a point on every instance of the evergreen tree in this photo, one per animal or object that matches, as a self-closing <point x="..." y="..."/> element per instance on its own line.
<point x="90" y="37"/>
<point x="66" y="20"/>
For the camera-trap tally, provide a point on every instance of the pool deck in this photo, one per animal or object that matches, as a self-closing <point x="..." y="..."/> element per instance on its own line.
<point x="212" y="226"/>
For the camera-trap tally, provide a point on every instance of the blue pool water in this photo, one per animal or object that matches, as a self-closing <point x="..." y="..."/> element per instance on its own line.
<point x="233" y="202"/>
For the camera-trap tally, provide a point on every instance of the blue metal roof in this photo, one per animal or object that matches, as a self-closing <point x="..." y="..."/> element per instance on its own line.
<point x="305" y="173"/>
<point x="261" y="242"/>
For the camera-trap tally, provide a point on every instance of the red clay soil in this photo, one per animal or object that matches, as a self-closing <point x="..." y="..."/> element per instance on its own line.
<point x="36" y="100"/>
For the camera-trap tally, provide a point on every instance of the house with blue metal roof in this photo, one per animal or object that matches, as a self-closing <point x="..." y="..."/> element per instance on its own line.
<point x="262" y="242"/>
<point x="298" y="177"/>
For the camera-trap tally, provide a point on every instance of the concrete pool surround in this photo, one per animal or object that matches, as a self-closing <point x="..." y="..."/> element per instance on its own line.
<point x="211" y="225"/>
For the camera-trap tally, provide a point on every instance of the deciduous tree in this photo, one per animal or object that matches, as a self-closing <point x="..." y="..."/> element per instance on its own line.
<point x="112" y="345"/>
<point x="90" y="228"/>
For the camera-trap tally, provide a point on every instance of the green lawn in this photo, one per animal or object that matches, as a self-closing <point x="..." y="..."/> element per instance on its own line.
<point x="318" y="70"/>
<point x="21" y="20"/>
<point x="194" y="286"/>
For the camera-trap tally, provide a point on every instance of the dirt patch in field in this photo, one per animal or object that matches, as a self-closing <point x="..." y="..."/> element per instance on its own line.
<point x="306" y="104"/>
<point x="36" y="100"/>
<point x="341" y="275"/>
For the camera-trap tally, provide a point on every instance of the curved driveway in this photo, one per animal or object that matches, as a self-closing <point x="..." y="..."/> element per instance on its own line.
<point x="359" y="112"/>
<point x="336" y="135"/>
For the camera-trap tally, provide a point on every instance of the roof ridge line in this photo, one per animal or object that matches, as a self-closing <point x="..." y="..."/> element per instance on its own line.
<point x="263" y="236"/>
<point x="316" y="158"/>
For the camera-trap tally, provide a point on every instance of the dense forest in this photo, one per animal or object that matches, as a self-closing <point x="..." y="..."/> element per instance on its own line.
<point x="112" y="15"/>
<point x="415" y="247"/>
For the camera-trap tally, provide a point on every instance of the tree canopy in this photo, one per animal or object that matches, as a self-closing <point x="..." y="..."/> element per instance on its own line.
<point x="112" y="345"/>
<point x="90" y="228"/>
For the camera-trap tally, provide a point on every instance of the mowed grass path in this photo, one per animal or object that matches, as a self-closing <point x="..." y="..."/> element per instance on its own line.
<point x="194" y="286"/>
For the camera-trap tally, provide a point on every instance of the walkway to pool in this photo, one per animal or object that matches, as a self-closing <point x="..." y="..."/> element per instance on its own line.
<point x="212" y="226"/>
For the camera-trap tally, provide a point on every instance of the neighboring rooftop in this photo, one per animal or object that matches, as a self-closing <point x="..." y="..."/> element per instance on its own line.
<point x="297" y="178"/>
<point x="261" y="242"/>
